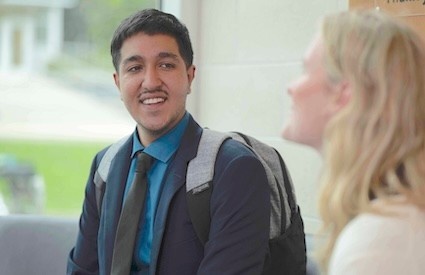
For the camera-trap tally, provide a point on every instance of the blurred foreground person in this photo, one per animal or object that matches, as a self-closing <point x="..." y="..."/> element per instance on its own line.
<point x="361" y="103"/>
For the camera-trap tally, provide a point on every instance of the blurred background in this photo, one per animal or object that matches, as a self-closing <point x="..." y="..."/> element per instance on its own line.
<point x="58" y="102"/>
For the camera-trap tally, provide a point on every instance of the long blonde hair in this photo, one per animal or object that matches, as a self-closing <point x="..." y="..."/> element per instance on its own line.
<point x="375" y="146"/>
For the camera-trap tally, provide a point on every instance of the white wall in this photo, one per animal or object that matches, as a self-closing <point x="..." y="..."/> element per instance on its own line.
<point x="247" y="52"/>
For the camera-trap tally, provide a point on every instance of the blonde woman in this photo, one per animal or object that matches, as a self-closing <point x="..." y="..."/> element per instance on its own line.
<point x="361" y="103"/>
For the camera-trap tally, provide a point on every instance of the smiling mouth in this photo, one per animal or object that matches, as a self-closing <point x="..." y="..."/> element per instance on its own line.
<point x="155" y="100"/>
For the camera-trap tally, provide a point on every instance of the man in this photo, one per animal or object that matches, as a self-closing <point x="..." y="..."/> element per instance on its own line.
<point x="152" y="56"/>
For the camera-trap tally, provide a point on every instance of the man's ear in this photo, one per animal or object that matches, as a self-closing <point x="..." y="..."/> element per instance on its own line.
<point x="191" y="73"/>
<point x="117" y="83"/>
<point x="190" y="76"/>
<point x="117" y="80"/>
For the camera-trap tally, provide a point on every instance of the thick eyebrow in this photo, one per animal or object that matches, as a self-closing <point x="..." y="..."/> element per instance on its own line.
<point x="138" y="58"/>
<point x="132" y="58"/>
<point x="168" y="55"/>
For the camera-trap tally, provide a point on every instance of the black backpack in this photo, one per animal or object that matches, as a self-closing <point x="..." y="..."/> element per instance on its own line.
<point x="287" y="248"/>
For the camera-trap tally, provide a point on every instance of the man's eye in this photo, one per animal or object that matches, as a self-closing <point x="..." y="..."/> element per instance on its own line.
<point x="135" y="68"/>
<point x="167" y="66"/>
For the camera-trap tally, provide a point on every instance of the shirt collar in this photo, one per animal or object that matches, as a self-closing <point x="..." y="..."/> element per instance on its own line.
<point x="165" y="146"/>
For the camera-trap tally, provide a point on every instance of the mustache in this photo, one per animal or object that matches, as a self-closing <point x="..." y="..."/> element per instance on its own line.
<point x="146" y="93"/>
<point x="154" y="90"/>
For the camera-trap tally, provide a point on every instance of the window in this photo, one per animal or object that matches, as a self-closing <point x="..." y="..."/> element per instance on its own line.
<point x="59" y="103"/>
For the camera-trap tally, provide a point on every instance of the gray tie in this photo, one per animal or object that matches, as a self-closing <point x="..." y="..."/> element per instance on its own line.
<point x="129" y="220"/>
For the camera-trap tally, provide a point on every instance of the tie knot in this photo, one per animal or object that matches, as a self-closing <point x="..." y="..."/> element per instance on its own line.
<point x="144" y="162"/>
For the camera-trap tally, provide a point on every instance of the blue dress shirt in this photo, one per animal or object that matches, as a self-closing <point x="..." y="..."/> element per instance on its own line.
<point x="162" y="150"/>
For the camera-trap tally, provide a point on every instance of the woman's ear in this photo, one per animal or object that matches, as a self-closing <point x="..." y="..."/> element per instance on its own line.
<point x="346" y="92"/>
<point x="342" y="95"/>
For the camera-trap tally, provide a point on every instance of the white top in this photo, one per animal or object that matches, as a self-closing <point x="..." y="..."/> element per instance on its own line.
<point x="376" y="244"/>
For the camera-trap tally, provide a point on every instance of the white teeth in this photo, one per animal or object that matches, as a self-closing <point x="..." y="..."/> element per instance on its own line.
<point x="153" y="100"/>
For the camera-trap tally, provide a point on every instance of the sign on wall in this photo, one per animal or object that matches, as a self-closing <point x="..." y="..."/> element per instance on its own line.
<point x="411" y="11"/>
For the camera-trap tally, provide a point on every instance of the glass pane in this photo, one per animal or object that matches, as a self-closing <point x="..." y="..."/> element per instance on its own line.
<point x="59" y="104"/>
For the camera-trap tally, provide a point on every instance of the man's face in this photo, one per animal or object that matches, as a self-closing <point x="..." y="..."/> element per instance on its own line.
<point x="154" y="82"/>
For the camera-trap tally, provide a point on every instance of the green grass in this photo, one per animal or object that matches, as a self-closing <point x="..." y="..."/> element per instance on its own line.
<point x="64" y="166"/>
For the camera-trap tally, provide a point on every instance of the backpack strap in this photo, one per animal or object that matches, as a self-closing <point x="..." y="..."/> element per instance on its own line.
<point x="280" y="212"/>
<point x="201" y="168"/>
<point x="289" y="186"/>
<point x="102" y="171"/>
<point x="200" y="173"/>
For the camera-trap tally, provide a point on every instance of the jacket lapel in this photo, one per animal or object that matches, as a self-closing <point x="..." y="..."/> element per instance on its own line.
<point x="112" y="203"/>
<point x="174" y="180"/>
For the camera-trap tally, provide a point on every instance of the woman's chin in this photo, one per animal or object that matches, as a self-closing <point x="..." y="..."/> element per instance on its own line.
<point x="287" y="131"/>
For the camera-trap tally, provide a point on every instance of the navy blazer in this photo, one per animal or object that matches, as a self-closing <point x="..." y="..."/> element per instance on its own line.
<point x="239" y="210"/>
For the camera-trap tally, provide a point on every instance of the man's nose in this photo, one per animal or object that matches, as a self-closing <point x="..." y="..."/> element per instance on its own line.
<point x="152" y="78"/>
